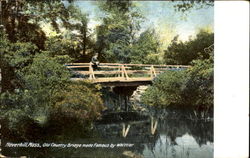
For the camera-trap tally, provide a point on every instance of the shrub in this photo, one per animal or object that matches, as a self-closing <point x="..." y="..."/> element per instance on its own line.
<point x="191" y="88"/>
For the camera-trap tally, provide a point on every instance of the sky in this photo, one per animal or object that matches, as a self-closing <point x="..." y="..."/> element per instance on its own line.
<point x="161" y="16"/>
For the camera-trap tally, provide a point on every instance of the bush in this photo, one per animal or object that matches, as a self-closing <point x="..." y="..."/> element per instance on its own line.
<point x="46" y="94"/>
<point x="192" y="88"/>
<point x="199" y="89"/>
<point x="166" y="90"/>
<point x="79" y="99"/>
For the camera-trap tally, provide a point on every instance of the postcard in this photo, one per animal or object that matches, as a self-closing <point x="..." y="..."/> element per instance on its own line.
<point x="107" y="79"/>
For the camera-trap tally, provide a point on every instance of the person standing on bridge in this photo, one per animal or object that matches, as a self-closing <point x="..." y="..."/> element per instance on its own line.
<point x="94" y="61"/>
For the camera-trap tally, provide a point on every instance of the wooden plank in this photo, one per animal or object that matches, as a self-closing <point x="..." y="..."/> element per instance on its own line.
<point x="116" y="79"/>
<point x="120" y="79"/>
<point x="118" y="64"/>
<point x="79" y="64"/>
<point x="98" y="72"/>
<point x="113" y="72"/>
<point x="149" y="65"/>
<point x="111" y="64"/>
<point x="82" y="66"/>
<point x="112" y="67"/>
<point x="76" y="66"/>
<point x="161" y="69"/>
<point x="131" y="72"/>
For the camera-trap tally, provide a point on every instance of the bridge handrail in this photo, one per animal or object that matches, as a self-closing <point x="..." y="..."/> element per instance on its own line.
<point x="124" y="71"/>
<point x="119" y="64"/>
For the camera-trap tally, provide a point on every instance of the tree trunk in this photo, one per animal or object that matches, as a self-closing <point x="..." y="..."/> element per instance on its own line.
<point x="7" y="74"/>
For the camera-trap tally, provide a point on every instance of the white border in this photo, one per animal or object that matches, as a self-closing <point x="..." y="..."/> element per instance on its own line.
<point x="231" y="137"/>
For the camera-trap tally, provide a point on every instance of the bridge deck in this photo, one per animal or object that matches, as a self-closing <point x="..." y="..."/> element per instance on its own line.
<point x="119" y="81"/>
<point x="115" y="79"/>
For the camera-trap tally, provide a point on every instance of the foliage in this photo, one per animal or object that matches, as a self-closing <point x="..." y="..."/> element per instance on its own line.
<point x="184" y="52"/>
<point x="32" y="66"/>
<point x="22" y="22"/>
<point x="76" y="41"/>
<point x="79" y="99"/>
<point x="44" y="73"/>
<point x="35" y="85"/>
<point x="117" y="33"/>
<point x="57" y="45"/>
<point x="38" y="81"/>
<point x="184" y="6"/>
<point x="166" y="90"/>
<point x="20" y="16"/>
<point x="73" y="110"/>
<point x="14" y="56"/>
<point x="119" y="38"/>
<point x="199" y="88"/>
<point x="46" y="95"/>
<point x="145" y="49"/>
<point x="188" y="88"/>
<point x="19" y="54"/>
<point x="82" y="36"/>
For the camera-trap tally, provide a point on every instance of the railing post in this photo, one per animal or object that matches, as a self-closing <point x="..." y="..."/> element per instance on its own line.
<point x="90" y="74"/>
<point x="124" y="72"/>
<point x="119" y="70"/>
<point x="152" y="72"/>
<point x="91" y="71"/>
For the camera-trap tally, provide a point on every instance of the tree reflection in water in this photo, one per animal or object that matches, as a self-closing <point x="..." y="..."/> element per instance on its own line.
<point x="184" y="147"/>
<point x="174" y="138"/>
<point x="181" y="139"/>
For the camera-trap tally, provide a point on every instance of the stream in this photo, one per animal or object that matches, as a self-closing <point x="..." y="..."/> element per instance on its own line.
<point x="142" y="133"/>
<point x="173" y="138"/>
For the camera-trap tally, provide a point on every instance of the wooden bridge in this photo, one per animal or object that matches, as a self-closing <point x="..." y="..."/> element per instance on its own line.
<point x="116" y="74"/>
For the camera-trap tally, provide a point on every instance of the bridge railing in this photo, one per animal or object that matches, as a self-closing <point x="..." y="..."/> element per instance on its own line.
<point x="119" y="71"/>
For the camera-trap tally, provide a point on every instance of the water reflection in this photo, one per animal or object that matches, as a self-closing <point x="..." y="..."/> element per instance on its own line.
<point x="174" y="138"/>
<point x="185" y="147"/>
<point x="180" y="138"/>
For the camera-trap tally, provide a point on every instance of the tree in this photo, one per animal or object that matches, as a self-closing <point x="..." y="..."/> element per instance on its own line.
<point x="22" y="20"/>
<point x="14" y="56"/>
<point x="145" y="49"/>
<point x="46" y="95"/>
<point x="82" y="39"/>
<point x="191" y="89"/>
<point x="38" y="82"/>
<point x="35" y="85"/>
<point x="116" y="35"/>
<point x="184" y="6"/>
<point x="180" y="52"/>
<point x="19" y="16"/>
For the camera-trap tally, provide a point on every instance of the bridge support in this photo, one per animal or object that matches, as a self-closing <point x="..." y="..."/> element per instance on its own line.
<point x="125" y="130"/>
<point x="125" y="93"/>
<point x="153" y="125"/>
